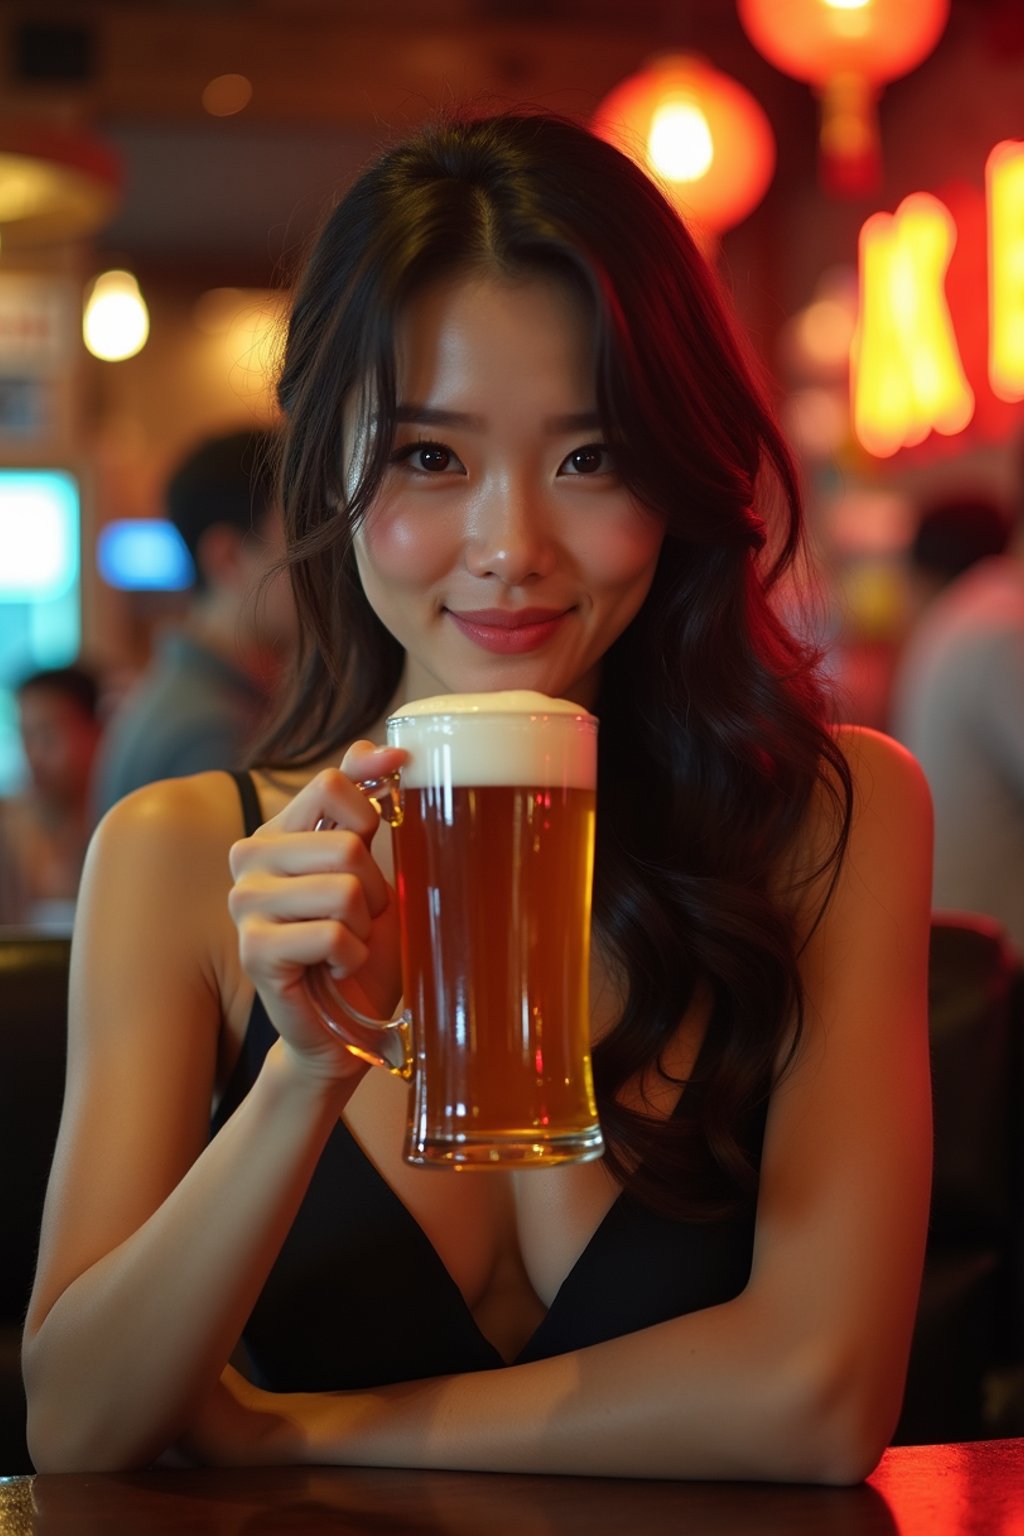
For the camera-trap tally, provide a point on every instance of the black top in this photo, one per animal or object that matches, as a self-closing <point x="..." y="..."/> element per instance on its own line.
<point x="358" y="1296"/>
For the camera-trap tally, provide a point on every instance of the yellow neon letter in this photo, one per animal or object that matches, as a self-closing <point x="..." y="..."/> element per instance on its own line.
<point x="1004" y="189"/>
<point x="906" y="375"/>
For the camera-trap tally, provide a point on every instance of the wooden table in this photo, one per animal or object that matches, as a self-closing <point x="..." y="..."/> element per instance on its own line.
<point x="946" y="1490"/>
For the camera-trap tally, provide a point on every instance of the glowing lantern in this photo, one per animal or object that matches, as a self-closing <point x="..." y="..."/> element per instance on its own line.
<point x="907" y="378"/>
<point x="848" y="50"/>
<point x="697" y="133"/>
<point x="1004" y="182"/>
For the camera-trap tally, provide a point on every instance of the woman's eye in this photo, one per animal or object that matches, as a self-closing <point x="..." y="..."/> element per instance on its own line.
<point x="592" y="459"/>
<point x="428" y="458"/>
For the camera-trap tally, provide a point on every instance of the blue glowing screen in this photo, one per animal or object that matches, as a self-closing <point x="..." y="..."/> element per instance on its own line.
<point x="144" y="555"/>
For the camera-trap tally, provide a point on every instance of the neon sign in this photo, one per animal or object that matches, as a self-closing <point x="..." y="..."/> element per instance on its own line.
<point x="907" y="371"/>
<point x="1004" y="197"/>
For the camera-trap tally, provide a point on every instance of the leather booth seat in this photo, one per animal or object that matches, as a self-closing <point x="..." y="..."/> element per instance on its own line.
<point x="33" y="1032"/>
<point x="967" y="1358"/>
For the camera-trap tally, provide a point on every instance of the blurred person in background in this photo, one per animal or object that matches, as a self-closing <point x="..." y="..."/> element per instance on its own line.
<point x="204" y="695"/>
<point x="958" y="702"/>
<point x="44" y="829"/>
<point x="951" y="535"/>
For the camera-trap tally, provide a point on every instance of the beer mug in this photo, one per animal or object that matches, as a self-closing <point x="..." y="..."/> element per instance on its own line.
<point x="493" y="830"/>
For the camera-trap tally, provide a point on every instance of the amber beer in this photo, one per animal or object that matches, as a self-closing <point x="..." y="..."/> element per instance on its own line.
<point x="494" y="864"/>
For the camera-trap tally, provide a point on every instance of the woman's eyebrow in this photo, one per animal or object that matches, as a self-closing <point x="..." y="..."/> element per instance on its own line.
<point x="573" y="421"/>
<point x="436" y="416"/>
<point x="415" y="414"/>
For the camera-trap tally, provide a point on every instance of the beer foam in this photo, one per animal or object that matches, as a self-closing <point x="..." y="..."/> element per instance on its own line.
<point x="513" y="701"/>
<point x="493" y="739"/>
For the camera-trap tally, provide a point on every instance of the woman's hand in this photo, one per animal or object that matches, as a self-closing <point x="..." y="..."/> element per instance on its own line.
<point x="238" y="1425"/>
<point x="302" y="898"/>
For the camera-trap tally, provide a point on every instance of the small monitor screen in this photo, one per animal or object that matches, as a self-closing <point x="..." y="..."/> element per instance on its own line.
<point x="144" y="554"/>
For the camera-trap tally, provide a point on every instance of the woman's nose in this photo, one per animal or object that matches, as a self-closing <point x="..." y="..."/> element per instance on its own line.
<point x="511" y="537"/>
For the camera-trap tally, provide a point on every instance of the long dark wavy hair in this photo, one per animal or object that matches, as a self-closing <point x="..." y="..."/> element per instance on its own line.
<point x="714" y="728"/>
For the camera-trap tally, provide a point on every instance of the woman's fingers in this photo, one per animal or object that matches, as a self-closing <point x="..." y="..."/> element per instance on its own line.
<point x="363" y="760"/>
<point x="333" y="795"/>
<point x="339" y="897"/>
<point x="288" y="846"/>
<point x="303" y="898"/>
<point x="298" y="853"/>
<point x="278" y="952"/>
<point x="258" y="862"/>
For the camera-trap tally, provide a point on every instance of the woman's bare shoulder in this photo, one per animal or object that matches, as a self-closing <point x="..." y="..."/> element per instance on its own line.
<point x="175" y="814"/>
<point x="882" y="804"/>
<point x="887" y="846"/>
<point x="880" y="767"/>
<point x="190" y="821"/>
<point x="858" y="741"/>
<point x="156" y="882"/>
<point x="160" y="857"/>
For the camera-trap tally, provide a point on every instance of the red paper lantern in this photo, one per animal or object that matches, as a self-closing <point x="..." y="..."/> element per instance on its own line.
<point x="847" y="50"/>
<point x="698" y="133"/>
<point x="56" y="183"/>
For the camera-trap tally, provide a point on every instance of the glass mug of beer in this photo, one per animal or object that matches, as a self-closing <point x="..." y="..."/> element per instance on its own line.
<point x="493" y="832"/>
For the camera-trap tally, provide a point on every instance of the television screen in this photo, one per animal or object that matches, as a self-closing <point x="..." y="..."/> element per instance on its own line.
<point x="40" y="590"/>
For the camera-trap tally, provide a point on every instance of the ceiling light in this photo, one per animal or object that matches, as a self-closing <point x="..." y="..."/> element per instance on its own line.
<point x="115" y="323"/>
<point x="55" y="184"/>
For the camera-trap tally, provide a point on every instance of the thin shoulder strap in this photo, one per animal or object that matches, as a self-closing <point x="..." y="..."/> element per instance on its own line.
<point x="252" y="811"/>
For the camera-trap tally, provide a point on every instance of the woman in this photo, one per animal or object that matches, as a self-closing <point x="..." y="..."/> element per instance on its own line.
<point x="523" y="451"/>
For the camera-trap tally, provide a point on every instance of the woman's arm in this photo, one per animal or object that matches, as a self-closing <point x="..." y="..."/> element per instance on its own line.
<point x="801" y="1376"/>
<point x="155" y="1244"/>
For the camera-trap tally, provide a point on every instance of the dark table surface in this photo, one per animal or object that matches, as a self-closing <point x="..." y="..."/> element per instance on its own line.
<point x="945" y="1490"/>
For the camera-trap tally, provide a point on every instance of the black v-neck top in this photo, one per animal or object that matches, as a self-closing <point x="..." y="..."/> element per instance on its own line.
<point x="358" y="1296"/>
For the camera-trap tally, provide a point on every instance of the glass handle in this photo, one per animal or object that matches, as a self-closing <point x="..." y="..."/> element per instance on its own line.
<point x="381" y="1042"/>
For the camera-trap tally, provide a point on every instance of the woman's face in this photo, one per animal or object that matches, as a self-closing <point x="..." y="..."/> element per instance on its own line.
<point x="502" y="550"/>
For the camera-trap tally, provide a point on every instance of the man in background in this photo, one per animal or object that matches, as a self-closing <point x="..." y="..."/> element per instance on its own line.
<point x="952" y="534"/>
<point x="204" y="696"/>
<point x="958" y="704"/>
<point x="44" y="830"/>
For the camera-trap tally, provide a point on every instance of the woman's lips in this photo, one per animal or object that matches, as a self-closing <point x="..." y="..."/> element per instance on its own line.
<point x="509" y="633"/>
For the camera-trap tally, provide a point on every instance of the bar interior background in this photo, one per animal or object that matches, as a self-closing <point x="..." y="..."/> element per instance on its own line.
<point x="229" y="125"/>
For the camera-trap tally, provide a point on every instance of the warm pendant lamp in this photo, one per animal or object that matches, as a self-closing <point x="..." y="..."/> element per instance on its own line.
<point x="847" y="50"/>
<point x="698" y="133"/>
<point x="56" y="184"/>
<point x="115" y="321"/>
